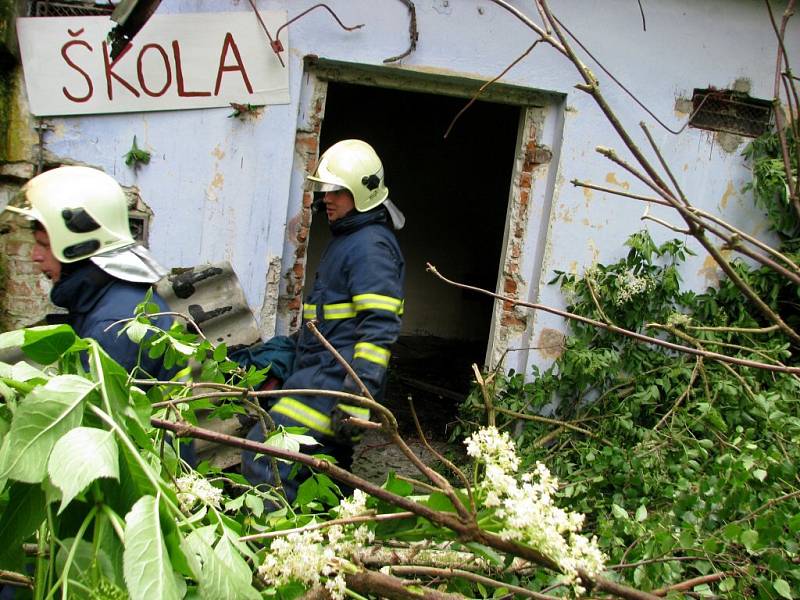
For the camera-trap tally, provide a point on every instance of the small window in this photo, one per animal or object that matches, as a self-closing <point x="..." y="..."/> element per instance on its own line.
<point x="731" y="112"/>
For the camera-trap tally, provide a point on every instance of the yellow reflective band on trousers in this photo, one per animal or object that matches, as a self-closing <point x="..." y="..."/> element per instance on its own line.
<point x="372" y="353"/>
<point x="378" y="302"/>
<point x="305" y="415"/>
<point x="358" y="412"/>
<point x="309" y="311"/>
<point x="345" y="310"/>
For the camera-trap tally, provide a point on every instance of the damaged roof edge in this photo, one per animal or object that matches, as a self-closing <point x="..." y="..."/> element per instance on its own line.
<point x="430" y="81"/>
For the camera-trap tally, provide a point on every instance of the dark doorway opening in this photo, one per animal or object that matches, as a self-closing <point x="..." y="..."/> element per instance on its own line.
<point x="454" y="193"/>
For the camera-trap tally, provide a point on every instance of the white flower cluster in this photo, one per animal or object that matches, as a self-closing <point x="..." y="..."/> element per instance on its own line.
<point x="677" y="319"/>
<point x="631" y="285"/>
<point x="193" y="488"/>
<point x="527" y="508"/>
<point x="316" y="557"/>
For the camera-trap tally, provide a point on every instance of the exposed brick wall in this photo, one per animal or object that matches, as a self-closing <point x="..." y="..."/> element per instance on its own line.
<point x="512" y="319"/>
<point x="25" y="297"/>
<point x="307" y="151"/>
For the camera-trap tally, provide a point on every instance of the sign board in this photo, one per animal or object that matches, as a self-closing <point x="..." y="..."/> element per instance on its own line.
<point x="175" y="62"/>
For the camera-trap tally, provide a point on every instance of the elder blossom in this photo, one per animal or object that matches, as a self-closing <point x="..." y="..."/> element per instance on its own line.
<point x="630" y="285"/>
<point x="527" y="507"/>
<point x="319" y="557"/>
<point x="193" y="488"/>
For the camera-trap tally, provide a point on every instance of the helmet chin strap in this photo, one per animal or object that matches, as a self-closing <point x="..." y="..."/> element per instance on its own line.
<point x="318" y="204"/>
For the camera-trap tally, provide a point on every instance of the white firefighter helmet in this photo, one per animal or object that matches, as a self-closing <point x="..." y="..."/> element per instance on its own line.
<point x="85" y="214"/>
<point x="83" y="210"/>
<point x="355" y="166"/>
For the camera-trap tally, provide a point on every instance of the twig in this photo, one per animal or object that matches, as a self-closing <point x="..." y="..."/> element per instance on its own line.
<point x="664" y="164"/>
<point x="599" y="188"/>
<point x="449" y="464"/>
<point x="588" y="280"/>
<point x="487" y="84"/>
<point x="696" y="231"/>
<point x="390" y="429"/>
<point x="468" y="531"/>
<point x="651" y="561"/>
<point x="702" y="217"/>
<point x="251" y="394"/>
<point x="548" y="420"/>
<point x="460" y="573"/>
<point x="16" y="579"/>
<point x="348" y="521"/>
<point x="487" y="399"/>
<point x="690" y="583"/>
<point x="168" y="313"/>
<point x="765" y="506"/>
<point x="698" y="363"/>
<point x="663" y="223"/>
<point x="412" y="33"/>
<point x="545" y="34"/>
<point x="782" y="57"/>
<point x="770" y="329"/>
<point x="630" y="94"/>
<point x="613" y="328"/>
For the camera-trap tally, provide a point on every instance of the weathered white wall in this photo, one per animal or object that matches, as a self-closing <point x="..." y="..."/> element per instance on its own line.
<point x="222" y="188"/>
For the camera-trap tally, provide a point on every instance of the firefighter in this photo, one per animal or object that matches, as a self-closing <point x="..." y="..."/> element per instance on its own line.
<point x="357" y="302"/>
<point x="83" y="244"/>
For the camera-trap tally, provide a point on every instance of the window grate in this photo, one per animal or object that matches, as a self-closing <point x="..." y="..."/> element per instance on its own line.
<point x="731" y="112"/>
<point x="45" y="8"/>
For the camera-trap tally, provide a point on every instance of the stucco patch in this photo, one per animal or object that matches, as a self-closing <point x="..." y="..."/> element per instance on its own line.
<point x="612" y="179"/>
<point x="726" y="197"/>
<point x="551" y="343"/>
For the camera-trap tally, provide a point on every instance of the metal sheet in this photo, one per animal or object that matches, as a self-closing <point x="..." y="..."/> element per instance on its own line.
<point x="212" y="296"/>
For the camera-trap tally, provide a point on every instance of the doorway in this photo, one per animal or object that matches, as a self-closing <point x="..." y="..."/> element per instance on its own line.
<point x="454" y="193"/>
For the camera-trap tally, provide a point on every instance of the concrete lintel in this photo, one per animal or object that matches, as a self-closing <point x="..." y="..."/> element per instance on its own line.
<point x="429" y="81"/>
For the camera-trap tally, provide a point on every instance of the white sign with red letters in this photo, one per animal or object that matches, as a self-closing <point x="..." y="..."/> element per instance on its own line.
<point x="175" y="62"/>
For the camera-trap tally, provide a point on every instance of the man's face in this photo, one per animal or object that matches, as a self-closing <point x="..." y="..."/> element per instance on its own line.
<point x="338" y="204"/>
<point x="43" y="256"/>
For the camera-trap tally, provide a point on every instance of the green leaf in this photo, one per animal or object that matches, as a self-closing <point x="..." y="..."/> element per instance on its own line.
<point x="619" y="512"/>
<point x="782" y="587"/>
<point x="749" y="539"/>
<point x="439" y="501"/>
<point x="46" y="414"/>
<point x="81" y="456"/>
<point x="485" y="552"/>
<point x="146" y="564"/>
<point x="641" y="513"/>
<point x="220" y="352"/>
<point x="12" y="339"/>
<point x="397" y="486"/>
<point x="221" y="572"/>
<point x="136" y="330"/>
<point x="21" y="517"/>
<point x="46" y="344"/>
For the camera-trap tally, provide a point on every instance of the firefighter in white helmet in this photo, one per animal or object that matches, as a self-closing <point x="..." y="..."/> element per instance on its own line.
<point x="357" y="301"/>
<point x="83" y="244"/>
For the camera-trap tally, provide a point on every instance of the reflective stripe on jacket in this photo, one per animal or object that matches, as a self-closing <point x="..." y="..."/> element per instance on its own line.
<point x="357" y="300"/>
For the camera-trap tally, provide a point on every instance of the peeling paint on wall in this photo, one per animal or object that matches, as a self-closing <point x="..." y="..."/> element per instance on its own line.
<point x="612" y="179"/>
<point x="729" y="142"/>
<point x="269" y="309"/>
<point x="551" y="343"/>
<point x="710" y="270"/>
<point x="726" y="197"/>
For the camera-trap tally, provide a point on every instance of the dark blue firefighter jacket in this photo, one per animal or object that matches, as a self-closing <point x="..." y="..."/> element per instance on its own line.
<point x="357" y="301"/>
